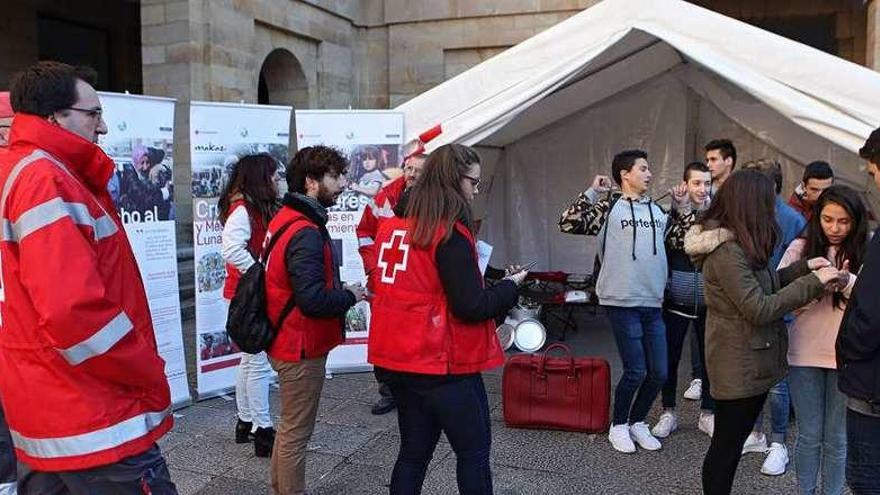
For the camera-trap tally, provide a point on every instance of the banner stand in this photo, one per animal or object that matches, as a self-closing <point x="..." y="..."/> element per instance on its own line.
<point x="140" y="141"/>
<point x="221" y="134"/>
<point x="371" y="140"/>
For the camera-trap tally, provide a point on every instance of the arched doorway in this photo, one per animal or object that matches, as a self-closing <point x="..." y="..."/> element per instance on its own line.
<point x="282" y="81"/>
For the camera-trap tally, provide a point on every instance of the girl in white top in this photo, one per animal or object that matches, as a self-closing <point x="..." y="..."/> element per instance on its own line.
<point x="246" y="205"/>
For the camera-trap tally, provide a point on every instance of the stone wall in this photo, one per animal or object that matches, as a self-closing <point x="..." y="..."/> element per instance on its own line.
<point x="850" y="18"/>
<point x="19" y="45"/>
<point x="337" y="53"/>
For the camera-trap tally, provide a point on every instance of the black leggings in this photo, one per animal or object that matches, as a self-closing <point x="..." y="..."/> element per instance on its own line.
<point x="734" y="420"/>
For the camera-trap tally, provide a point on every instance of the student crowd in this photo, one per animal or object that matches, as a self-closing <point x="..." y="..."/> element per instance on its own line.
<point x="783" y="298"/>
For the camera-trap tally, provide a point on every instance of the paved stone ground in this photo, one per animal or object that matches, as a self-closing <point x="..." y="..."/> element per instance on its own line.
<point x="353" y="452"/>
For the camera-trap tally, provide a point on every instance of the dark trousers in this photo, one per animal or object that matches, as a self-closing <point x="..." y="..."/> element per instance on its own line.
<point x="7" y="458"/>
<point x="733" y="423"/>
<point x="676" y="332"/>
<point x="384" y="389"/>
<point x="141" y="474"/>
<point x="862" y="453"/>
<point x="457" y="407"/>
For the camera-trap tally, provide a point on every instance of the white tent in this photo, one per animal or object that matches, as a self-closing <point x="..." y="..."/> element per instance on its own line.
<point x="665" y="76"/>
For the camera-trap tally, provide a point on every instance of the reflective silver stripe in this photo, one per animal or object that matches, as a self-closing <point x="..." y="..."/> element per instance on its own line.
<point x="91" y="442"/>
<point x="100" y="342"/>
<point x="385" y="211"/>
<point x="8" y="488"/>
<point x="16" y="170"/>
<point x="365" y="241"/>
<point x="50" y="212"/>
<point x="103" y="227"/>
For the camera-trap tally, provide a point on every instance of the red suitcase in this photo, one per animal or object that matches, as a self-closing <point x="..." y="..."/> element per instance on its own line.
<point x="557" y="393"/>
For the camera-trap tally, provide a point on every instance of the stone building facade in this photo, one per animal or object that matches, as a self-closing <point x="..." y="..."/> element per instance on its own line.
<point x="336" y="53"/>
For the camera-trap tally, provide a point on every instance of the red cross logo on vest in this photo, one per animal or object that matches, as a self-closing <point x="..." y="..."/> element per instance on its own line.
<point x="393" y="256"/>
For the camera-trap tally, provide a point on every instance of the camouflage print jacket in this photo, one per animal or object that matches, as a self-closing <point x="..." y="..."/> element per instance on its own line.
<point x="587" y="214"/>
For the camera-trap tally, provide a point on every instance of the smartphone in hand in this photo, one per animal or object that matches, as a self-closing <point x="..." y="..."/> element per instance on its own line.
<point x="526" y="267"/>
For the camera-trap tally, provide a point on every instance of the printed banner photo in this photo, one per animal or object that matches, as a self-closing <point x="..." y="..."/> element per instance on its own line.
<point x="220" y="134"/>
<point x="140" y="142"/>
<point x="372" y="140"/>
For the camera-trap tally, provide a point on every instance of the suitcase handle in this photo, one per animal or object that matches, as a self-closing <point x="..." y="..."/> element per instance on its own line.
<point x="565" y="349"/>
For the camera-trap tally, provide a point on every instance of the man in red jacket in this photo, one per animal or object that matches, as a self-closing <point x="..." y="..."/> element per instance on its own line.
<point x="83" y="386"/>
<point x="303" y="269"/>
<point x="383" y="207"/>
<point x="7" y="455"/>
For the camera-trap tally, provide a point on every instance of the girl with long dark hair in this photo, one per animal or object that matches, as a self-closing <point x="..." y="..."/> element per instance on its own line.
<point x="246" y="205"/>
<point x="838" y="230"/>
<point x="432" y="330"/>
<point x="746" y="338"/>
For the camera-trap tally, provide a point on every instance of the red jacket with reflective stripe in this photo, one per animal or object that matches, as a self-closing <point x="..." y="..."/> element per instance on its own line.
<point x="300" y="336"/>
<point x="80" y="375"/>
<point x="255" y="246"/>
<point x="411" y="327"/>
<point x="381" y="207"/>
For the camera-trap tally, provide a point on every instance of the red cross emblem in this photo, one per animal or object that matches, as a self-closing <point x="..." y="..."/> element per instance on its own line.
<point x="393" y="256"/>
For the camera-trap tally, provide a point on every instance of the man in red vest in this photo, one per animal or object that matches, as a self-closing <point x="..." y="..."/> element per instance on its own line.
<point x="83" y="386"/>
<point x="383" y="207"/>
<point x="303" y="266"/>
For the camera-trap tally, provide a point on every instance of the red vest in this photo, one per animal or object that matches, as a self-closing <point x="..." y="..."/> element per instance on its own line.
<point x="255" y="245"/>
<point x="412" y="328"/>
<point x="300" y="336"/>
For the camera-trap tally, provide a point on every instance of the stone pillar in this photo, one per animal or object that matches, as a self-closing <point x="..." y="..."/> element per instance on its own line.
<point x="185" y="60"/>
<point x="873" y="41"/>
<point x="172" y="45"/>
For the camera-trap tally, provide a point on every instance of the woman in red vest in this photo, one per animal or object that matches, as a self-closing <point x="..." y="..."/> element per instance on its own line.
<point x="248" y="202"/>
<point x="432" y="329"/>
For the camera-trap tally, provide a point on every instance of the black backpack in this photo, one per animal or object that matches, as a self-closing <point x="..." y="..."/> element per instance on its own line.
<point x="247" y="323"/>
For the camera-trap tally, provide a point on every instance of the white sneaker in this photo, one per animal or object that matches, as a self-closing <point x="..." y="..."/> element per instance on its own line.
<point x="666" y="425"/>
<point x="776" y="461"/>
<point x="619" y="437"/>
<point x="706" y="423"/>
<point x="642" y="436"/>
<point x="694" y="390"/>
<point x="757" y="442"/>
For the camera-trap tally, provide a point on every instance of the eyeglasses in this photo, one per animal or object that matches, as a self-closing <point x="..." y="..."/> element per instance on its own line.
<point x="475" y="181"/>
<point x="95" y="113"/>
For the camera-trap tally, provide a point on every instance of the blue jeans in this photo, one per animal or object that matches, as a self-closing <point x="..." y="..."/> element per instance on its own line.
<point x="641" y="341"/>
<point x="427" y="406"/>
<point x="819" y="410"/>
<point x="779" y="402"/>
<point x="862" y="453"/>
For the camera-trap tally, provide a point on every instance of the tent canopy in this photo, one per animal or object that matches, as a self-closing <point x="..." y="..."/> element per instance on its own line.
<point x="662" y="75"/>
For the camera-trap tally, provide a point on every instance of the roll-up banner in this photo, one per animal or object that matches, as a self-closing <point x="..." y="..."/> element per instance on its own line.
<point x="220" y="134"/>
<point x="372" y="141"/>
<point x="140" y="140"/>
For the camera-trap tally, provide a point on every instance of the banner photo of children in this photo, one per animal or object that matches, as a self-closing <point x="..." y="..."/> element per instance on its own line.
<point x="140" y="141"/>
<point x="220" y="135"/>
<point x="372" y="141"/>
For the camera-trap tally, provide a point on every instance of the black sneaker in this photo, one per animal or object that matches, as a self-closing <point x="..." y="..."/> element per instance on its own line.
<point x="243" y="431"/>
<point x="264" y="439"/>
<point x="383" y="406"/>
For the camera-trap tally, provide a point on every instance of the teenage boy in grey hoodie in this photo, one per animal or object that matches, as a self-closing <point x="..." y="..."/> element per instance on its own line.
<point x="630" y="286"/>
